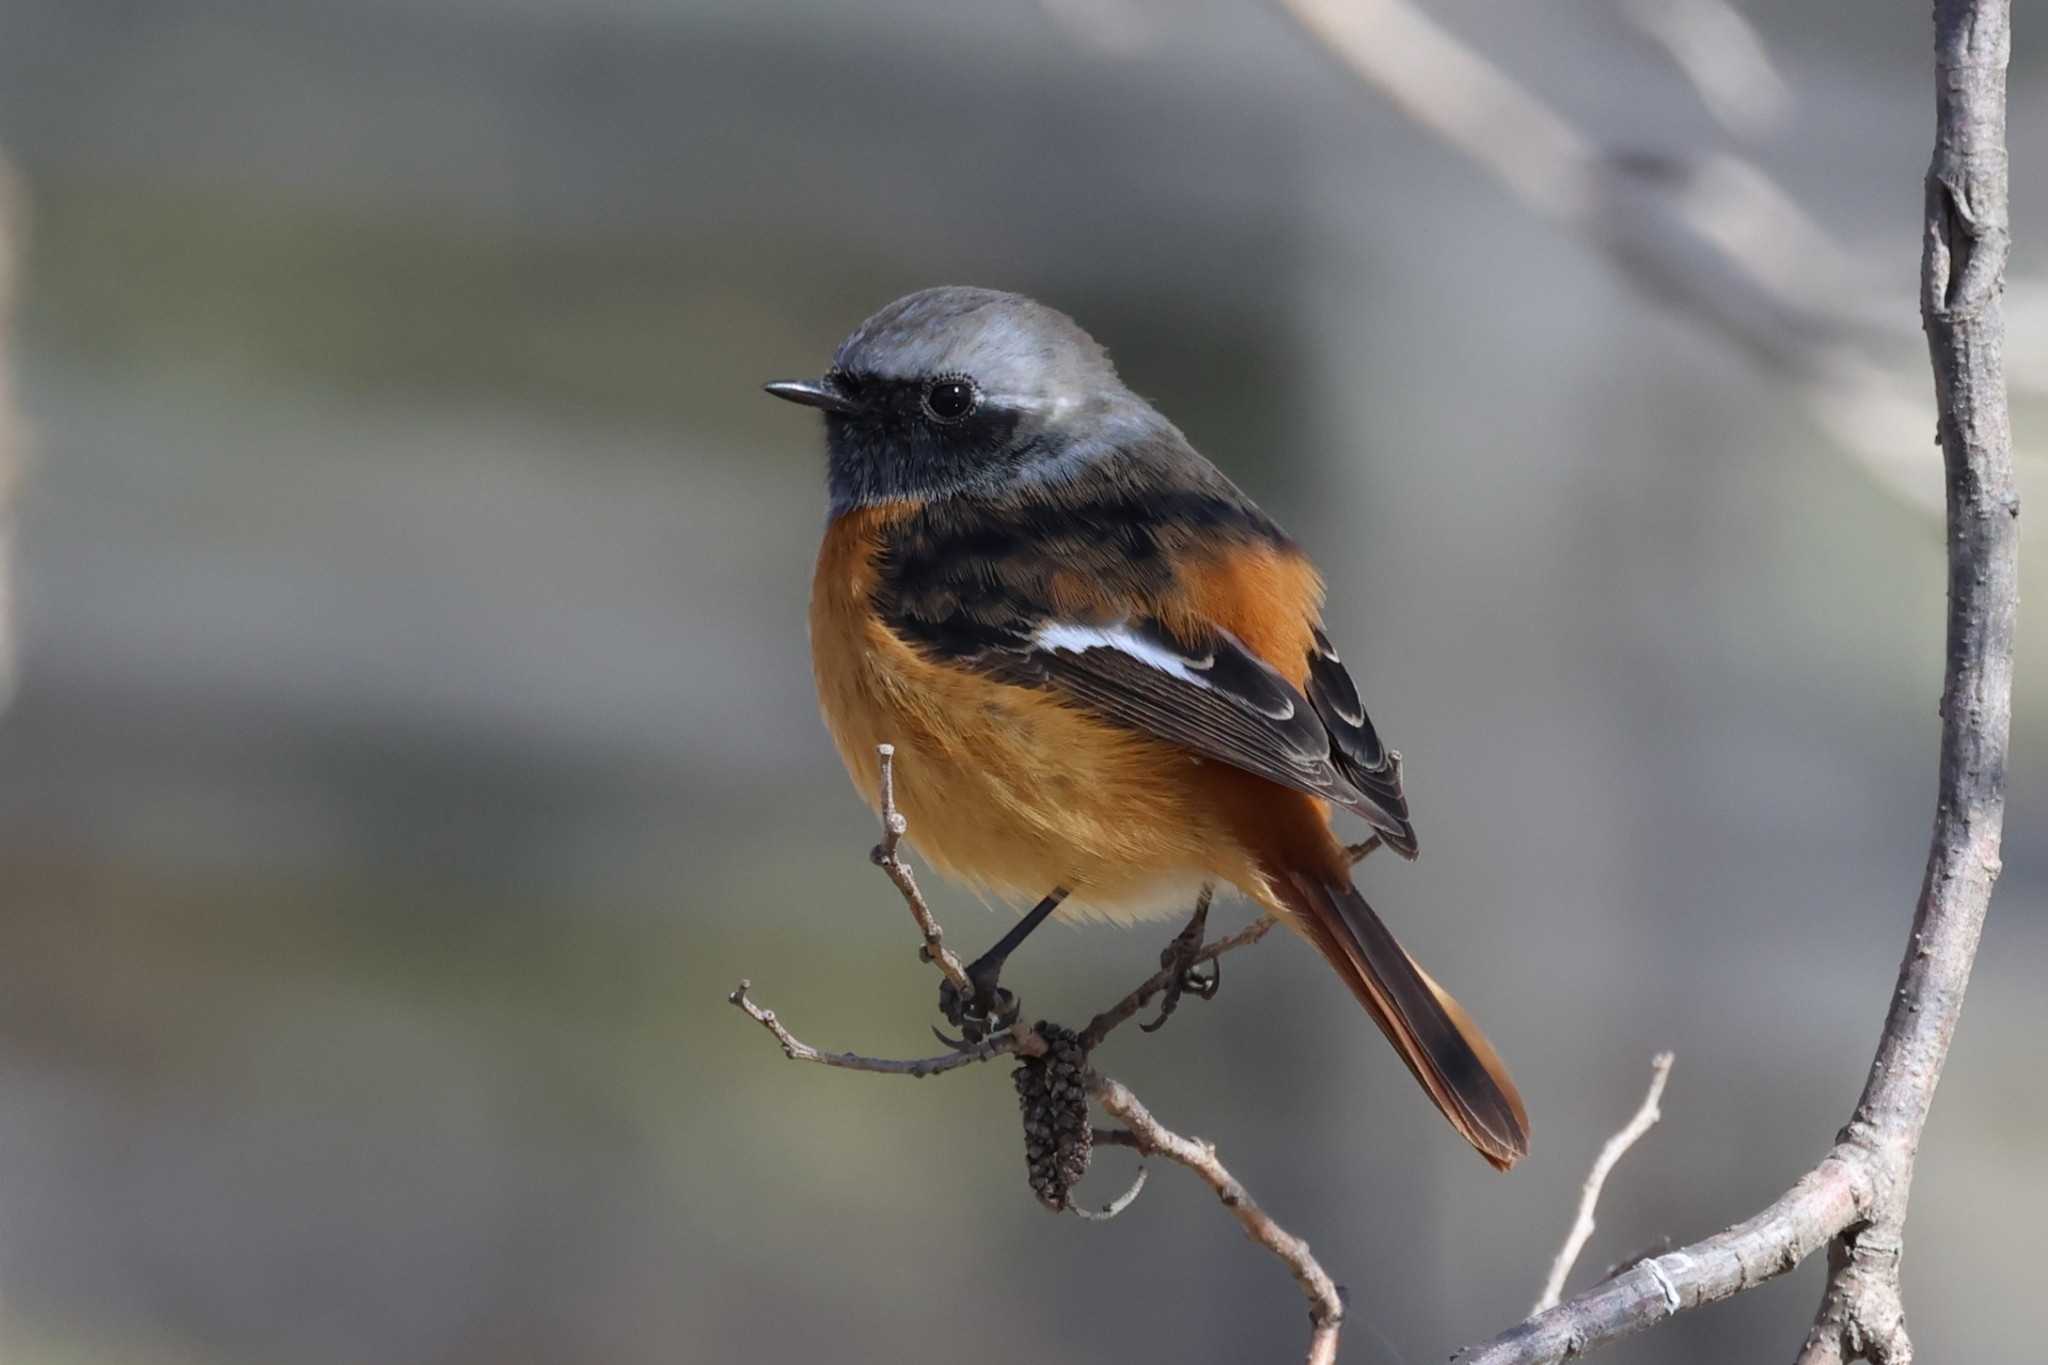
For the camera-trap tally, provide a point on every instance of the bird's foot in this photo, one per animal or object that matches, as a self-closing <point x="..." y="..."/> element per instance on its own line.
<point x="987" y="1011"/>
<point x="1181" y="958"/>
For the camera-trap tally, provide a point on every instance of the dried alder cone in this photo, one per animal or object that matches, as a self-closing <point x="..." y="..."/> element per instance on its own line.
<point x="1053" y="1093"/>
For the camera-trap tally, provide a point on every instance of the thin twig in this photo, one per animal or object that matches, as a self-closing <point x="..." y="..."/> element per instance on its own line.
<point x="1177" y="954"/>
<point x="1116" y="1205"/>
<point x="1141" y="1130"/>
<point x="1153" y="1138"/>
<point x="886" y="857"/>
<point x="1100" y="1026"/>
<point x="794" y="1048"/>
<point x="1617" y="1146"/>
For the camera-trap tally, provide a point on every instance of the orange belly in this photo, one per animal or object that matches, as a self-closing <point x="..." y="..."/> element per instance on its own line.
<point x="1005" y="787"/>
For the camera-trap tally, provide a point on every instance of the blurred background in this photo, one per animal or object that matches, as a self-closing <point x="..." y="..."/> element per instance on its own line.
<point x="414" y="739"/>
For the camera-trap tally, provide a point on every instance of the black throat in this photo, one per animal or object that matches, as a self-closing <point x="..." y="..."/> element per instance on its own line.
<point x="893" y="450"/>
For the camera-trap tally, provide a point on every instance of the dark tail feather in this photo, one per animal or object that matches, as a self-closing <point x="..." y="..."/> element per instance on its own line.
<point x="1435" y="1037"/>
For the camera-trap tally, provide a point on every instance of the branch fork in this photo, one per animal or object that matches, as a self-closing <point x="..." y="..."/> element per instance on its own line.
<point x="1056" y="1149"/>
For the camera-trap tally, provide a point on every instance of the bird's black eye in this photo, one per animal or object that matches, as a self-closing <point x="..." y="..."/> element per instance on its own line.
<point x="951" y="398"/>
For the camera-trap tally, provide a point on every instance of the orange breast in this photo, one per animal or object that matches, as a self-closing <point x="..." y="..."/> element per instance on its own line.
<point x="1009" y="788"/>
<point x="1003" y="785"/>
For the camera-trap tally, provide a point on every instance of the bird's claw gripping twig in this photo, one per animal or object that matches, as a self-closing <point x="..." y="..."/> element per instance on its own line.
<point x="989" y="1011"/>
<point x="1181" y="956"/>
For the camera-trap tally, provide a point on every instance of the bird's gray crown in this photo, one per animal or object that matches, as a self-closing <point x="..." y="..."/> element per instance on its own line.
<point x="958" y="391"/>
<point x="1013" y="347"/>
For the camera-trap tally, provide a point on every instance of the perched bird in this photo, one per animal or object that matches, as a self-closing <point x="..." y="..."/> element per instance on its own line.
<point x="1103" y="667"/>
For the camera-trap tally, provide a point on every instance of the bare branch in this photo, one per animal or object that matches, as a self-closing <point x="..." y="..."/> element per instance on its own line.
<point x="1962" y="278"/>
<point x="1118" y="1204"/>
<point x="1100" y="1026"/>
<point x="1141" y="1131"/>
<point x="1855" y="1200"/>
<point x="886" y="857"/>
<point x="1150" y="1136"/>
<point x="794" y="1048"/>
<point x="1799" y="1223"/>
<point x="1617" y="1146"/>
<point x="1723" y="56"/>
<point x="1712" y="237"/>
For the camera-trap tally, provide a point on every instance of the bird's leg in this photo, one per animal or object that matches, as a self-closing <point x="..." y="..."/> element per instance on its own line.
<point x="1179" y="957"/>
<point x="992" y="1009"/>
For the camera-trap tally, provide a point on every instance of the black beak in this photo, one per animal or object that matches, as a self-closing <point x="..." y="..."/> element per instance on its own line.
<point x="812" y="393"/>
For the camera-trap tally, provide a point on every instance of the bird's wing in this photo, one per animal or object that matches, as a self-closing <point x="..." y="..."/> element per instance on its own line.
<point x="1177" y="610"/>
<point x="1210" y="695"/>
<point x="1355" y="746"/>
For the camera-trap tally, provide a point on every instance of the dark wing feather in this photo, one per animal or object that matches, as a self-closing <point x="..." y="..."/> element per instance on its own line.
<point x="1355" y="746"/>
<point x="1216" y="699"/>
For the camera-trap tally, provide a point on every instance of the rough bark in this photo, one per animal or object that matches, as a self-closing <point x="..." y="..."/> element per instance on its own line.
<point x="1855" y="1201"/>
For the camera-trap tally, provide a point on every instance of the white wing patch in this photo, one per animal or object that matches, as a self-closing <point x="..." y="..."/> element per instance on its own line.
<point x="1058" y="635"/>
<point x="1077" y="639"/>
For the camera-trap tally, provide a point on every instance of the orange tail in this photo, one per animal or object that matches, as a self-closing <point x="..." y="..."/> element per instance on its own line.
<point x="1431" y="1031"/>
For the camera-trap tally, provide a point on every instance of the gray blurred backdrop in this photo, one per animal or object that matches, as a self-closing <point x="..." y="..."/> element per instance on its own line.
<point x="415" y="738"/>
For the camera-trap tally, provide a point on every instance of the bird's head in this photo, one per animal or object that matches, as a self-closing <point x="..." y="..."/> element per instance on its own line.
<point x="954" y="390"/>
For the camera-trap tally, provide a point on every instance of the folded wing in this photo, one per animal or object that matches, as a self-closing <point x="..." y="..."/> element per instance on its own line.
<point x="1215" y="698"/>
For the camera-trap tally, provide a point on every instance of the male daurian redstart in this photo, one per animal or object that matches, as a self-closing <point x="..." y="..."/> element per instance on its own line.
<point x="1103" y="668"/>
